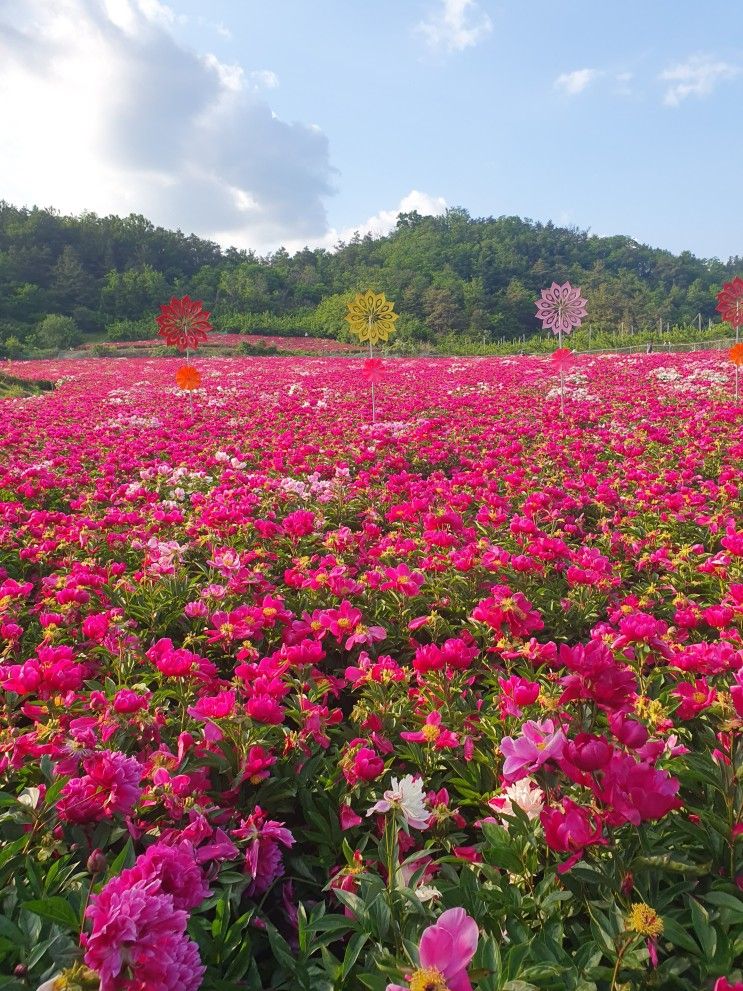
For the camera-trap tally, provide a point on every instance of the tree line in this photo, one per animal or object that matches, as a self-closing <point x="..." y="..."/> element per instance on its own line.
<point x="65" y="279"/>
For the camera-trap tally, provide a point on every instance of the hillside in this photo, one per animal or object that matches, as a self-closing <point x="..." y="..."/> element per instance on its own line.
<point x="454" y="274"/>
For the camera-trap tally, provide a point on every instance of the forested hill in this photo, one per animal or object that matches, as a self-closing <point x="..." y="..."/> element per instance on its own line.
<point x="451" y="274"/>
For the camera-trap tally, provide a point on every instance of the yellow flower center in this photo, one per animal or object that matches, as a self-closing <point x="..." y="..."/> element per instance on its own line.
<point x="343" y="624"/>
<point x="430" y="732"/>
<point x="644" y="920"/>
<point x="226" y="629"/>
<point x="428" y="979"/>
<point x="269" y="612"/>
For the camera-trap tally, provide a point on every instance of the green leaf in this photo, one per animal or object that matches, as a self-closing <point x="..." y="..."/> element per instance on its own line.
<point x="354" y="948"/>
<point x="281" y="949"/>
<point x="125" y="858"/>
<point x="56" y="910"/>
<point x="673" y="932"/>
<point x="704" y="932"/>
<point x="11" y="931"/>
<point x="499" y="848"/>
<point x="726" y="901"/>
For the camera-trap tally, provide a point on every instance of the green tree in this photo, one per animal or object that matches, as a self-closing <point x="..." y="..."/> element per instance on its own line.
<point x="135" y="293"/>
<point x="57" y="331"/>
<point x="71" y="285"/>
<point x="441" y="310"/>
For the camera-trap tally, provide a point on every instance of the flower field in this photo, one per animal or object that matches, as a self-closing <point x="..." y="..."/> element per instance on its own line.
<point x="449" y="701"/>
<point x="312" y="345"/>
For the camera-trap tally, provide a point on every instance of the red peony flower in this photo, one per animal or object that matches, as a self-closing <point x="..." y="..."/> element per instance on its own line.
<point x="183" y="323"/>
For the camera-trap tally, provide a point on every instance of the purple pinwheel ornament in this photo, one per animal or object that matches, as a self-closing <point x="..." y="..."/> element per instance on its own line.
<point x="561" y="308"/>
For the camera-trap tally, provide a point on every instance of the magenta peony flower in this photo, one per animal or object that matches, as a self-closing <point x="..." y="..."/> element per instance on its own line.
<point x="110" y="787"/>
<point x="433" y="733"/>
<point x="508" y="611"/>
<point x="138" y="940"/>
<point x="570" y="828"/>
<point x="635" y="792"/>
<point x="176" y="870"/>
<point x="263" y="856"/>
<point x="445" y="952"/>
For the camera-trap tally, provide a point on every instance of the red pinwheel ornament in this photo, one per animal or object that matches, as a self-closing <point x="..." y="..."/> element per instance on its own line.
<point x="562" y="358"/>
<point x="183" y="323"/>
<point x="730" y="302"/>
<point x="373" y="370"/>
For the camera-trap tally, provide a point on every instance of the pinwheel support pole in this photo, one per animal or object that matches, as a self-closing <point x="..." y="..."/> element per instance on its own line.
<point x="562" y="379"/>
<point x="737" y="338"/>
<point x="371" y="355"/>
<point x="190" y="391"/>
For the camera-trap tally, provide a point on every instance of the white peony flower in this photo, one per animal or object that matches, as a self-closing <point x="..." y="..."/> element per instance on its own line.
<point x="407" y="796"/>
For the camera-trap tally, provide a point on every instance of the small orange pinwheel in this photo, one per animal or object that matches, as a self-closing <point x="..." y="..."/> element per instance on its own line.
<point x="736" y="353"/>
<point x="187" y="377"/>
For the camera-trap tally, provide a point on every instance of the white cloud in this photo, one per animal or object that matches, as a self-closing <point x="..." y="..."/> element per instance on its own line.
<point x="454" y="25"/>
<point x="697" y="76"/>
<point x="381" y="223"/>
<point x="384" y="221"/>
<point x="575" y="82"/>
<point x="109" y="113"/>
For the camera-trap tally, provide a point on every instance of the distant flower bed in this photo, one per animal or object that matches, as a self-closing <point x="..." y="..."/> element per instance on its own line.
<point x="311" y="345"/>
<point x="449" y="701"/>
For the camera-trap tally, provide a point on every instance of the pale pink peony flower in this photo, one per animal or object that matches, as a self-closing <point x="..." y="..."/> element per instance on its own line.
<point x="525" y="794"/>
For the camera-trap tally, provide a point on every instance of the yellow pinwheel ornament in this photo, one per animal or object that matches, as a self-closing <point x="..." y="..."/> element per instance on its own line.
<point x="371" y="316"/>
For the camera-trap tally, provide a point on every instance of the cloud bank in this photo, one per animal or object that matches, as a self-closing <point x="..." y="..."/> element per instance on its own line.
<point x="110" y="113"/>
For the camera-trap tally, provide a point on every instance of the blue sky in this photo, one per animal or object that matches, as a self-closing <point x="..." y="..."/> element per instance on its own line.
<point x="262" y="122"/>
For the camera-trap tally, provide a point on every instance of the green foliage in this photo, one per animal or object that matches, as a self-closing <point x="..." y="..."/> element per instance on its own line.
<point x="131" y="330"/>
<point x="458" y="277"/>
<point x="57" y="331"/>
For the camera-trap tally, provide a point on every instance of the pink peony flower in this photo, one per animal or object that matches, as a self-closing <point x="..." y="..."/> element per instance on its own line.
<point x="445" y="952"/>
<point x="175" y="868"/>
<point x="538" y="743"/>
<point x="433" y="733"/>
